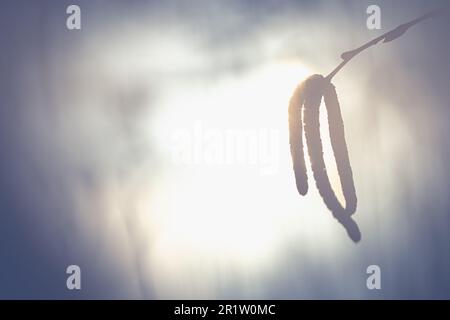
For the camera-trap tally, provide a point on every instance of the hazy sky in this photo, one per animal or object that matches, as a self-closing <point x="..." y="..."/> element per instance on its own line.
<point x="91" y="122"/>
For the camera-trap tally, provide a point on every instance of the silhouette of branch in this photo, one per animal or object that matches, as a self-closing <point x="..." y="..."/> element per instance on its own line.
<point x="304" y="108"/>
<point x="386" y="37"/>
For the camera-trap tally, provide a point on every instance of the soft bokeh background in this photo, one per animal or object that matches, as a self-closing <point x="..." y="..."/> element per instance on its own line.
<point x="87" y="175"/>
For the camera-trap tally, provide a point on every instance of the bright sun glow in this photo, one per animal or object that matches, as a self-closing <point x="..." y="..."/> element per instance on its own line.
<point x="216" y="213"/>
<point x="206" y="218"/>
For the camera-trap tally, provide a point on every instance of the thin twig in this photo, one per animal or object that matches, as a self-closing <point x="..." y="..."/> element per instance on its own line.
<point x="386" y="37"/>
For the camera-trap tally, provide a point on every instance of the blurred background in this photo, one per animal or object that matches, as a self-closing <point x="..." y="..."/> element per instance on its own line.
<point x="93" y="122"/>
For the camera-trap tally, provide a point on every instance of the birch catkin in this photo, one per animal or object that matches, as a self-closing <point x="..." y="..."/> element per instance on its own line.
<point x="309" y="96"/>
<point x="313" y="98"/>
<point x="339" y="145"/>
<point x="296" y="139"/>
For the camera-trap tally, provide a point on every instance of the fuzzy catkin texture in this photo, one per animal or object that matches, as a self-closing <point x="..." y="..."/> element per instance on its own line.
<point x="310" y="94"/>
<point x="296" y="138"/>
<point x="339" y="145"/>
<point x="313" y="99"/>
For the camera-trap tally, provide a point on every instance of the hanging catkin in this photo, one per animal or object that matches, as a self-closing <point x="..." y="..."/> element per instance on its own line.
<point x="339" y="145"/>
<point x="304" y="108"/>
<point x="307" y="98"/>
<point x="296" y="139"/>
